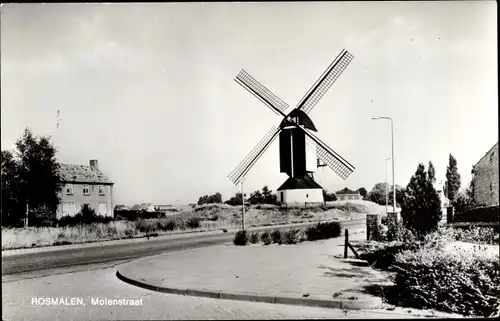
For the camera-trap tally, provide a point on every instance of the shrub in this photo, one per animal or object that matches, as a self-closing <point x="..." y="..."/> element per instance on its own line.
<point x="111" y="231"/>
<point x="80" y="219"/>
<point x="241" y="238"/>
<point x="277" y="236"/>
<point x="194" y="222"/>
<point x="482" y="235"/>
<point x="146" y="226"/>
<point x="266" y="238"/>
<point x="329" y="229"/>
<point x="312" y="233"/>
<point x="460" y="282"/>
<point x="130" y="232"/>
<point x="254" y="238"/>
<point x="292" y="236"/>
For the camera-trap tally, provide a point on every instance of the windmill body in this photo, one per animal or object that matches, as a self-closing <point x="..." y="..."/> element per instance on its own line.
<point x="300" y="149"/>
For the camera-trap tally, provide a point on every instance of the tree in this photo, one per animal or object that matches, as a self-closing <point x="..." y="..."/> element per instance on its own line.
<point x="377" y="194"/>
<point x="452" y="179"/>
<point x="33" y="174"/>
<point x="465" y="199"/>
<point x="363" y="192"/>
<point x="431" y="173"/>
<point x="267" y="196"/>
<point x="421" y="208"/>
<point x="212" y="199"/>
<point x="256" y="198"/>
<point x="236" y="200"/>
<point x="10" y="191"/>
<point x="327" y="197"/>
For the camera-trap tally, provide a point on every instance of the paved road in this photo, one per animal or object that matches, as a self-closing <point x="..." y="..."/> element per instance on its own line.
<point x="101" y="282"/>
<point x="118" y="251"/>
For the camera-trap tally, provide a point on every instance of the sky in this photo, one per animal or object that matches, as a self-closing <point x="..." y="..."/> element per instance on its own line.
<point x="148" y="89"/>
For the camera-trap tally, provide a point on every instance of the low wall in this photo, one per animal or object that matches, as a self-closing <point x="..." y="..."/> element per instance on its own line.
<point x="479" y="214"/>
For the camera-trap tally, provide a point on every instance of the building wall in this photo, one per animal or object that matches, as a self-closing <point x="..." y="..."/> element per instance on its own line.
<point x="486" y="178"/>
<point x="302" y="196"/>
<point x="78" y="199"/>
<point x="348" y="197"/>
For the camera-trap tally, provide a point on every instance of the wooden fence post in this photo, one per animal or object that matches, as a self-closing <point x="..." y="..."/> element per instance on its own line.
<point x="346" y="243"/>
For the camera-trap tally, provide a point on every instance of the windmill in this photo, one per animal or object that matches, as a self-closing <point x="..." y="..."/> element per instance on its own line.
<point x="299" y="146"/>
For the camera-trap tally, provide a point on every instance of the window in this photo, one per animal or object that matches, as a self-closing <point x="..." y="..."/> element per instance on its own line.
<point x="86" y="190"/>
<point x="101" y="189"/>
<point x="69" y="189"/>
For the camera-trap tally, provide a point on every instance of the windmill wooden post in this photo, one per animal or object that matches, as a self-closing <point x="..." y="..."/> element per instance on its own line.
<point x="298" y="143"/>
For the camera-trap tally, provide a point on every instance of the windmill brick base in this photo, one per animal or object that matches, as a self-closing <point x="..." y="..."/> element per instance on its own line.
<point x="300" y="191"/>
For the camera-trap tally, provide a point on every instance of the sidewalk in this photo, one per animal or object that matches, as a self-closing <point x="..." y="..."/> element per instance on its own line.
<point x="310" y="273"/>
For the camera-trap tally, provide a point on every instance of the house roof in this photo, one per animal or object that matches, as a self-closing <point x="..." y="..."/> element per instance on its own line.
<point x="82" y="174"/>
<point x="299" y="183"/>
<point x="494" y="146"/>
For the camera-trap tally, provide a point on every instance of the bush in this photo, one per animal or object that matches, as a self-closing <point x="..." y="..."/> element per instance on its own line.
<point x="130" y="232"/>
<point x="266" y="238"/>
<point x="463" y="282"/>
<point x="378" y="233"/>
<point x="80" y="219"/>
<point x="277" y="236"/>
<point x="146" y="226"/>
<point x="240" y="238"/>
<point x="323" y="231"/>
<point x="292" y="236"/>
<point x="481" y="235"/>
<point x="254" y="238"/>
<point x="194" y="222"/>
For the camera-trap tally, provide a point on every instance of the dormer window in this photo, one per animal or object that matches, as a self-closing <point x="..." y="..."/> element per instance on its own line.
<point x="101" y="189"/>
<point x="69" y="189"/>
<point x="86" y="190"/>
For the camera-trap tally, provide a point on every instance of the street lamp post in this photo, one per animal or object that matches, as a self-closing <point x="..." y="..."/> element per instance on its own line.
<point x="393" y="184"/>
<point x="386" y="192"/>
<point x="242" y="206"/>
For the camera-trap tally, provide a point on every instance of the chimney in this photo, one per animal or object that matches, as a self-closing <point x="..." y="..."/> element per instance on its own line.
<point x="93" y="164"/>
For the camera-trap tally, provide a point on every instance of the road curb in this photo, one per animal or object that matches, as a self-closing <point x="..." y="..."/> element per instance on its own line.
<point x="278" y="298"/>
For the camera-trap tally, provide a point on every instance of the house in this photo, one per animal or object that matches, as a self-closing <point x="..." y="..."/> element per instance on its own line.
<point x="485" y="178"/>
<point x="439" y="187"/>
<point x="84" y="185"/>
<point x="348" y="196"/>
<point x="146" y="207"/>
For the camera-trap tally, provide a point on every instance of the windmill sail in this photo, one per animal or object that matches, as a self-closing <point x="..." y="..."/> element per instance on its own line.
<point x="325" y="81"/>
<point x="261" y="92"/>
<point x="254" y="155"/>
<point x="336" y="162"/>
